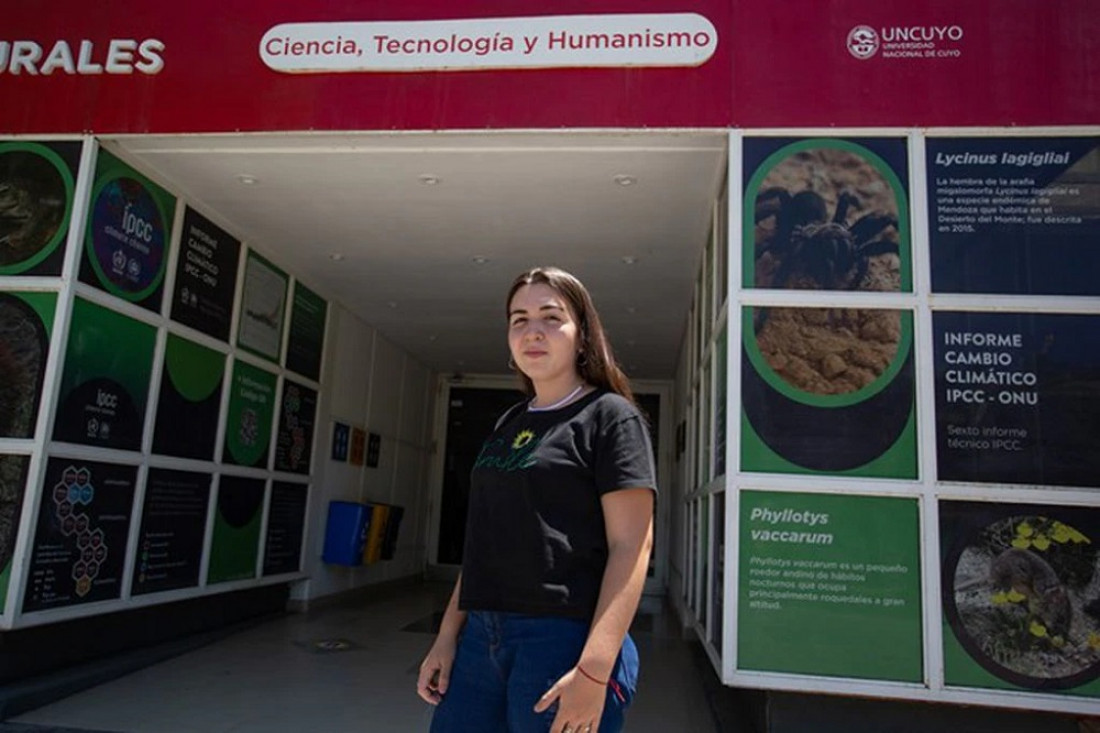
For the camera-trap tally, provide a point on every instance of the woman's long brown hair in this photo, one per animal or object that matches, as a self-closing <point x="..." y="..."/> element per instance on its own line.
<point x="595" y="361"/>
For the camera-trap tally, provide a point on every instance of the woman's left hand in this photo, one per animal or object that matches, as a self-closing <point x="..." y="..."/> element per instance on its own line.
<point x="580" y="703"/>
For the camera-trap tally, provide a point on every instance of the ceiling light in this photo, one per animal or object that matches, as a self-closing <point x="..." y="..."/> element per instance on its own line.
<point x="391" y="304"/>
<point x="336" y="256"/>
<point x="624" y="180"/>
<point x="479" y="260"/>
<point x="247" y="179"/>
<point x="428" y="179"/>
<point x="630" y="260"/>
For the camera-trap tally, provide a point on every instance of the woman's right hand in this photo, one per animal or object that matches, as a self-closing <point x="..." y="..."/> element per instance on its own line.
<point x="435" y="671"/>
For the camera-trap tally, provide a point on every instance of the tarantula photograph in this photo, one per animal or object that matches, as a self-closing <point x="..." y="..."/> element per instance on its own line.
<point x="809" y="244"/>
<point x="827" y="219"/>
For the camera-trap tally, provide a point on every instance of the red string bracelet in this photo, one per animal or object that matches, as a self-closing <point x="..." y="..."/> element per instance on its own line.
<point x="609" y="683"/>
<point x="597" y="681"/>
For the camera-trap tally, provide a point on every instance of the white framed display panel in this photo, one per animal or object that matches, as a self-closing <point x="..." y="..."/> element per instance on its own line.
<point x="142" y="460"/>
<point x="929" y="494"/>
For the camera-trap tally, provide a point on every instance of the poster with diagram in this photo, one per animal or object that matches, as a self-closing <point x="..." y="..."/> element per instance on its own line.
<point x="263" y="307"/>
<point x="80" y="540"/>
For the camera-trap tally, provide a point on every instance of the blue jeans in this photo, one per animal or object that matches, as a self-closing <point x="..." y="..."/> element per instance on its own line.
<point x="505" y="662"/>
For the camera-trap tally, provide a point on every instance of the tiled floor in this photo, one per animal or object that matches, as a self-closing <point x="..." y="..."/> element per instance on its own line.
<point x="344" y="669"/>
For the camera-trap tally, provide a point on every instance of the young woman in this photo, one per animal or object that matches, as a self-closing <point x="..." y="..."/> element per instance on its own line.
<point x="558" y="535"/>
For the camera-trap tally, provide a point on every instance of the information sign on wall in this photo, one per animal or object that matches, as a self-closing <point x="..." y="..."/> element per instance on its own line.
<point x="173" y="522"/>
<point x="37" y="180"/>
<point x="286" y="518"/>
<point x="1015" y="215"/>
<point x="294" y="439"/>
<point x="127" y="238"/>
<point x="206" y="276"/>
<point x="830" y="585"/>
<point x="105" y="382"/>
<point x="305" y="343"/>
<point x="263" y="305"/>
<point x="80" y="539"/>
<point x="1017" y="398"/>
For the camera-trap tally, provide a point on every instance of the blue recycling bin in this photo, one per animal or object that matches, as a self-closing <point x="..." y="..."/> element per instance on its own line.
<point x="345" y="533"/>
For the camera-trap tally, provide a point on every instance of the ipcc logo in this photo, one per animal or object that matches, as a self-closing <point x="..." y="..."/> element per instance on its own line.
<point x="863" y="42"/>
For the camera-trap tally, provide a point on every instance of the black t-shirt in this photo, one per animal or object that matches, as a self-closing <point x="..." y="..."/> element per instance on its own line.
<point x="535" y="537"/>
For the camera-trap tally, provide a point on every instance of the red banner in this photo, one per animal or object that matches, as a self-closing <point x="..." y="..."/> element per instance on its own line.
<point x="278" y="65"/>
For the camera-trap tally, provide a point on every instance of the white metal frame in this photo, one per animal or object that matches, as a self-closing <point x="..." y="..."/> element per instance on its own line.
<point x="42" y="447"/>
<point x="926" y="489"/>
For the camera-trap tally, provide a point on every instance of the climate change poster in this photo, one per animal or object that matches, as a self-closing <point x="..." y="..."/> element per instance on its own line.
<point x="206" y="276"/>
<point x="80" y="540"/>
<point x="251" y="413"/>
<point x="306" y="340"/>
<point x="105" y="382"/>
<point x="286" y="518"/>
<point x="1018" y="398"/>
<point x="129" y="230"/>
<point x="173" y="522"/>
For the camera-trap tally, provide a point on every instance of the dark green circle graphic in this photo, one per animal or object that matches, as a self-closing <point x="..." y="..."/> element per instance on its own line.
<point x="36" y="201"/>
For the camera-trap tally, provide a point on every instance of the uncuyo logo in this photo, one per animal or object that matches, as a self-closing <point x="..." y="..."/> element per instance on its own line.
<point x="863" y="42"/>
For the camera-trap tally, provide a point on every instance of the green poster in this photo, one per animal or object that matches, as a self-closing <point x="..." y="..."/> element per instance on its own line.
<point x="307" y="333"/>
<point x="190" y="398"/>
<point x="26" y="320"/>
<point x="235" y="546"/>
<point x="829" y="585"/>
<point x="829" y="391"/>
<point x="105" y="381"/>
<point x="251" y="413"/>
<point x="128" y="233"/>
<point x="13" y="481"/>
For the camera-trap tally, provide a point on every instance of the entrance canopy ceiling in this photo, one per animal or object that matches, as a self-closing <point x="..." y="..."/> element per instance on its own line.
<point x="420" y="235"/>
